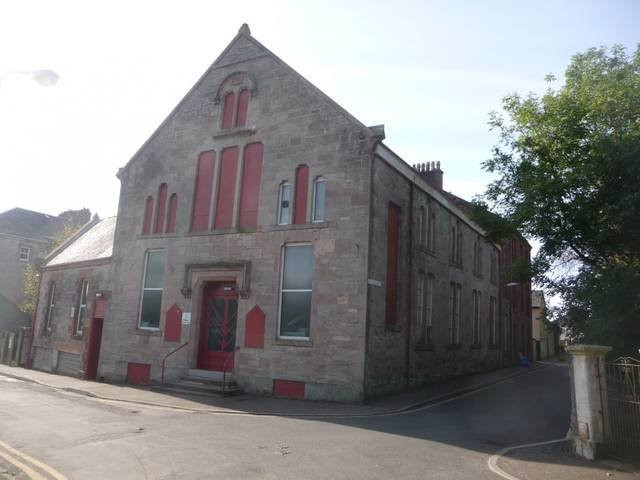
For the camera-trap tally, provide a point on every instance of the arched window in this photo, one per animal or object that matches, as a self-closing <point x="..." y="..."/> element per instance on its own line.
<point x="228" y="113"/>
<point x="161" y="208"/>
<point x="300" y="201"/>
<point x="243" y="105"/>
<point x="171" y="216"/>
<point x="284" y="204"/>
<point x="148" y="216"/>
<point x="234" y="93"/>
<point x="318" y="199"/>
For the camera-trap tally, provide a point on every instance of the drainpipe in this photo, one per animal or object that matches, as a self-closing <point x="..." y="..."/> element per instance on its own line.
<point x="34" y="317"/>
<point x="409" y="289"/>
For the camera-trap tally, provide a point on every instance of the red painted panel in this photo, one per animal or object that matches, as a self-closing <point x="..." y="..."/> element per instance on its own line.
<point x="226" y="188"/>
<point x="393" y="224"/>
<point x="138" y="373"/>
<point x="202" y="194"/>
<point x="173" y="324"/>
<point x="288" y="388"/>
<point x="254" y="328"/>
<point x="300" y="200"/>
<point x="148" y="215"/>
<point x="99" y="308"/>
<point x="161" y="208"/>
<point x="93" y="346"/>
<point x="173" y="208"/>
<point x="250" y="189"/>
<point x="243" y="105"/>
<point x="227" y="114"/>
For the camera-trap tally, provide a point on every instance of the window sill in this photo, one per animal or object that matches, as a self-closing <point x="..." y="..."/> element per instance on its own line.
<point x="157" y="235"/>
<point x="455" y="265"/>
<point x="297" y="226"/>
<point x="454" y="346"/>
<point x="290" y="342"/>
<point x="77" y="336"/>
<point x="156" y="332"/>
<point x="475" y="346"/>
<point x="234" y="131"/>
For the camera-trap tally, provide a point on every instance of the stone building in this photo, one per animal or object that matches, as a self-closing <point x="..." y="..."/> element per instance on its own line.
<point x="544" y="335"/>
<point x="72" y="300"/>
<point x="264" y="231"/>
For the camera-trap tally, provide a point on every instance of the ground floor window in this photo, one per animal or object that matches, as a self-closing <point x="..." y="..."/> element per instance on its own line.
<point x="295" y="290"/>
<point x="151" y="302"/>
<point x="454" y="325"/>
<point x="81" y="312"/>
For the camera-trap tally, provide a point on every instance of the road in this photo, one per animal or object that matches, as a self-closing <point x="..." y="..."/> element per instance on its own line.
<point x="83" y="438"/>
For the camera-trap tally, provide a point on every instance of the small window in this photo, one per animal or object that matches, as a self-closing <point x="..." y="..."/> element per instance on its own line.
<point x="81" y="310"/>
<point x="476" y="299"/>
<point x="151" y="301"/>
<point x="284" y="204"/>
<point x="295" y="291"/>
<point x="422" y="226"/>
<point x="24" y="254"/>
<point x="454" y="310"/>
<point x="51" y="304"/>
<point x="318" y="200"/>
<point x="430" y="229"/>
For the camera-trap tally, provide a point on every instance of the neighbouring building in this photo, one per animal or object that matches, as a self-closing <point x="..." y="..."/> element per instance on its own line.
<point x="265" y="231"/>
<point x="72" y="301"/>
<point x="545" y="335"/>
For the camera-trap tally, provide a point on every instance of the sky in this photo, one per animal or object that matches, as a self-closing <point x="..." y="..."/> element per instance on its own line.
<point x="430" y="71"/>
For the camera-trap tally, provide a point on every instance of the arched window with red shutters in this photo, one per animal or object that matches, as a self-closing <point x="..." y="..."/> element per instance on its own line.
<point x="233" y="96"/>
<point x="171" y="218"/>
<point x="301" y="192"/>
<point x="243" y="105"/>
<point x="229" y="105"/>
<point x="161" y="208"/>
<point x="148" y="216"/>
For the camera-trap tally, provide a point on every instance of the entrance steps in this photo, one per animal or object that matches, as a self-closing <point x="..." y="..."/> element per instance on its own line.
<point x="204" y="383"/>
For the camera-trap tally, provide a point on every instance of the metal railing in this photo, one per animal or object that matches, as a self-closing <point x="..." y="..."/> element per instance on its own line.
<point x="164" y="360"/>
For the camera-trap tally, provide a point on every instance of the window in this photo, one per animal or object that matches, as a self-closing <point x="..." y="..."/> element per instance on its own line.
<point x="391" y="295"/>
<point x="160" y="208"/>
<point x="428" y="322"/>
<point x="454" y="310"/>
<point x="456" y="244"/>
<point x="171" y="216"/>
<point x="477" y="257"/>
<point x="420" y="307"/>
<point x="494" y="269"/>
<point x="148" y="215"/>
<point x="235" y="111"/>
<point x="81" y="310"/>
<point x="318" y="200"/>
<point x="424" y="308"/>
<point x="476" y="302"/>
<point x="422" y="226"/>
<point x="295" y="291"/>
<point x="300" y="201"/>
<point x="51" y="304"/>
<point x="203" y="191"/>
<point x="250" y="186"/>
<point x="226" y="189"/>
<point x="431" y="227"/>
<point x="228" y="113"/>
<point x="492" y="321"/>
<point x="243" y="105"/>
<point x="284" y="204"/>
<point x="151" y="301"/>
<point x="24" y="254"/>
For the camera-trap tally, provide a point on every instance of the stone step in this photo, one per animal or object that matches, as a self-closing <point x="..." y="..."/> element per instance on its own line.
<point x="174" y="388"/>
<point x="210" y="375"/>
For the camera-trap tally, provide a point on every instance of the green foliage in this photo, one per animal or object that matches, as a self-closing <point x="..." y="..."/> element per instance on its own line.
<point x="568" y="170"/>
<point x="30" y="289"/>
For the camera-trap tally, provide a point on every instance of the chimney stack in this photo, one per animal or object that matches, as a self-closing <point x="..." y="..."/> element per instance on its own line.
<point x="431" y="172"/>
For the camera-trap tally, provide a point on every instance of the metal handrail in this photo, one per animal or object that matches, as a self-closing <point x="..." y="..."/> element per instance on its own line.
<point x="167" y="356"/>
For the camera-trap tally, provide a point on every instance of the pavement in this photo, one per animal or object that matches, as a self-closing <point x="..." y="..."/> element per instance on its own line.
<point x="445" y="431"/>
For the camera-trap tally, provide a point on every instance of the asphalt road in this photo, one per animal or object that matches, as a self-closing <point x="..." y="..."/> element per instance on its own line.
<point x="85" y="438"/>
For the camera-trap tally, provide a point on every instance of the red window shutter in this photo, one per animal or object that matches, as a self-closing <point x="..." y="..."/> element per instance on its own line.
<point x="288" y="389"/>
<point x="243" y="105"/>
<point x="160" y="209"/>
<point x="148" y="215"/>
<point x="227" y="114"/>
<point x="250" y="189"/>
<point x="202" y="195"/>
<point x="226" y="188"/>
<point x="300" y="201"/>
<point x="173" y="208"/>
<point x="138" y="373"/>
<point x="393" y="224"/>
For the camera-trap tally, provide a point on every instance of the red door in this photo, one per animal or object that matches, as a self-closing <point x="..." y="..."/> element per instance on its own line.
<point x="95" y="337"/>
<point x="218" y="326"/>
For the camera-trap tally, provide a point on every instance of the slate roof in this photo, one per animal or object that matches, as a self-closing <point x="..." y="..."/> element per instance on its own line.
<point x="30" y="224"/>
<point x="94" y="244"/>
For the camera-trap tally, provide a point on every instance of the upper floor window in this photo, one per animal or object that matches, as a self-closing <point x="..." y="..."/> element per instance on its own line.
<point x="454" y="312"/>
<point x="51" y="305"/>
<point x="430" y="230"/>
<point x="493" y="321"/>
<point x="425" y="308"/>
<point x="148" y="216"/>
<point x="456" y="244"/>
<point x="295" y="291"/>
<point x="284" y="204"/>
<point x="234" y="94"/>
<point x="152" y="287"/>
<point x="477" y="257"/>
<point x="494" y="269"/>
<point x="81" y="309"/>
<point x="24" y="254"/>
<point x="476" y="303"/>
<point x="318" y="200"/>
<point x="422" y="226"/>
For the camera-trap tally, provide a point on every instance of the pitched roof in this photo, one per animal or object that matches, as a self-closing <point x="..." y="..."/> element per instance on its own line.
<point x="94" y="244"/>
<point x="30" y="224"/>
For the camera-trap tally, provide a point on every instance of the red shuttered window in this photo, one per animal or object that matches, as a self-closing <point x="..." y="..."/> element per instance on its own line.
<point x="250" y="189"/>
<point x="173" y="208"/>
<point x="393" y="228"/>
<point x="160" y="208"/>
<point x="243" y="105"/>
<point x="202" y="195"/>
<point x="300" y="200"/>
<point x="226" y="188"/>
<point x="148" y="216"/>
<point x="227" y="114"/>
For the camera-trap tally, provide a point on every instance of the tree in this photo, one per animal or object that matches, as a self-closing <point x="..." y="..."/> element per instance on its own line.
<point x="568" y="175"/>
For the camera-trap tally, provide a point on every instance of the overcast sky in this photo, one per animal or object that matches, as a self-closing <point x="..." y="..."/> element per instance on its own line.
<point x="430" y="71"/>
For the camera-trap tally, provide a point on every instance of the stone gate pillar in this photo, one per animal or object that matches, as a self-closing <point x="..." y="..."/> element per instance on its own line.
<point x="589" y="393"/>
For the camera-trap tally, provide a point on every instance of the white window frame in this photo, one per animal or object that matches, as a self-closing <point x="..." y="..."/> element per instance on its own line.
<point x="281" y="291"/>
<point x="82" y="307"/>
<point x="314" y="219"/>
<point x="51" y="305"/>
<point x="280" y="192"/>
<point x="28" y="251"/>
<point x="142" y="290"/>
